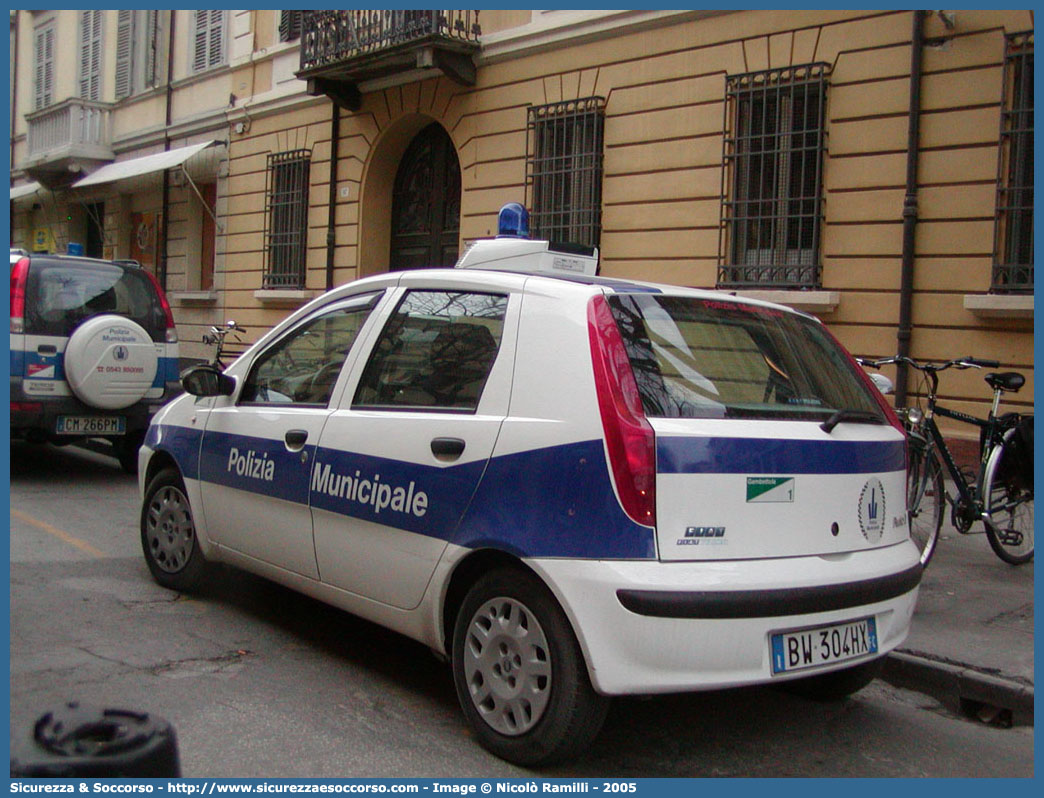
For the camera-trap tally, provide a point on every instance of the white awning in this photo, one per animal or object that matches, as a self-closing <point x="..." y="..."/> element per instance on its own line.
<point x="135" y="167"/>
<point x="17" y="192"/>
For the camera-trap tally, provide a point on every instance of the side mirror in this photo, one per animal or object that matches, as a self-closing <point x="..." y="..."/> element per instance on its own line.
<point x="207" y="380"/>
<point x="884" y="385"/>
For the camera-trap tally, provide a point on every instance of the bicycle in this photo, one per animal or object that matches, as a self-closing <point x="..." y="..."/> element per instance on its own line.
<point x="1000" y="493"/>
<point x="216" y="338"/>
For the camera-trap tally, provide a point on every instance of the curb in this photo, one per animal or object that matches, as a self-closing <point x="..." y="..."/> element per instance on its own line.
<point x="961" y="686"/>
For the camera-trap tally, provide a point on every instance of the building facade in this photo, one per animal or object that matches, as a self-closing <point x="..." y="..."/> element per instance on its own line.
<point x="873" y="168"/>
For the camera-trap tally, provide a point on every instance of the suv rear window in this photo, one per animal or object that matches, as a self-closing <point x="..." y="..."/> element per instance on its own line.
<point x="60" y="294"/>
<point x="701" y="358"/>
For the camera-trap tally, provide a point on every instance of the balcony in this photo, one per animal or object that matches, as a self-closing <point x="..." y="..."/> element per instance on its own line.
<point x="342" y="49"/>
<point x="67" y="140"/>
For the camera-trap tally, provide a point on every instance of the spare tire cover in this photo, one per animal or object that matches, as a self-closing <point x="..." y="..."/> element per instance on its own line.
<point x="110" y="362"/>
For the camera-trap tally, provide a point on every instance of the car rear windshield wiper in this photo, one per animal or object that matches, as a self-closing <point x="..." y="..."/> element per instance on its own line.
<point x="858" y="416"/>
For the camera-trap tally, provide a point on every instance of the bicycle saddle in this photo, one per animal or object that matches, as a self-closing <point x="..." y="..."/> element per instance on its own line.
<point x="1005" y="380"/>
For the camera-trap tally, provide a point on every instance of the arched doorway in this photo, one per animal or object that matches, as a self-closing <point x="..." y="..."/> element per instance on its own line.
<point x="425" y="228"/>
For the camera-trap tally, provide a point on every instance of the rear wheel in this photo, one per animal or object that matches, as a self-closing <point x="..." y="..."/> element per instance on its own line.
<point x="925" y="500"/>
<point x="1008" y="498"/>
<point x="836" y="685"/>
<point x="519" y="672"/>
<point x="126" y="450"/>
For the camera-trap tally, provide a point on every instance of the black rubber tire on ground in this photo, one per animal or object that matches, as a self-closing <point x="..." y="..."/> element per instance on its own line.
<point x="126" y="450"/>
<point x="926" y="501"/>
<point x="168" y="534"/>
<point x="512" y="617"/>
<point x="1009" y="502"/>
<point x="836" y="685"/>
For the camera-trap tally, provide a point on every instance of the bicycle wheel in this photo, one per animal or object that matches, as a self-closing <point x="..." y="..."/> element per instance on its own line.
<point x="925" y="500"/>
<point x="1008" y="499"/>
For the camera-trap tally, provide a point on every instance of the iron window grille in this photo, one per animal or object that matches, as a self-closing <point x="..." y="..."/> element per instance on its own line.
<point x="564" y="170"/>
<point x="772" y="202"/>
<point x="1013" y="231"/>
<point x="286" y="214"/>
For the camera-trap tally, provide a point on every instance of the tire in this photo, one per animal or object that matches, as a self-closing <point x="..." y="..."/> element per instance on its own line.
<point x="126" y="450"/>
<point x="836" y="685"/>
<point x="168" y="534"/>
<point x="926" y="501"/>
<point x="1008" y="502"/>
<point x="520" y="676"/>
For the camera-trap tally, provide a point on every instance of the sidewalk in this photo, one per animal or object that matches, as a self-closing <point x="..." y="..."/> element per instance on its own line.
<point x="971" y="644"/>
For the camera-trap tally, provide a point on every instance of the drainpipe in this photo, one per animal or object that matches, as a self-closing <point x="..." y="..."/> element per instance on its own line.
<point x="331" y="230"/>
<point x="905" y="331"/>
<point x="164" y="226"/>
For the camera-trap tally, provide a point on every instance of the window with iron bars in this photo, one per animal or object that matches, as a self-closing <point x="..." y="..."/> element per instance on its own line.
<point x="1013" y="244"/>
<point x="286" y="214"/>
<point x="772" y="203"/>
<point x="564" y="170"/>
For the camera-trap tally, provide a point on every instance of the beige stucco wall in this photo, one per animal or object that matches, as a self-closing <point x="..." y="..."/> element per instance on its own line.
<point x="663" y="79"/>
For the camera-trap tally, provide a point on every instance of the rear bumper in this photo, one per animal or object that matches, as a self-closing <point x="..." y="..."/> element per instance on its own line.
<point x="35" y="416"/>
<point x="653" y="627"/>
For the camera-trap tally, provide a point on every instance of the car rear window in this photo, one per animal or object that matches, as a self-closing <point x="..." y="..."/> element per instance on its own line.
<point x="703" y="358"/>
<point x="61" y="294"/>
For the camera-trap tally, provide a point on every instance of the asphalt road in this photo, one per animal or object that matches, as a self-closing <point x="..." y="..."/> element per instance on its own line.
<point x="259" y="681"/>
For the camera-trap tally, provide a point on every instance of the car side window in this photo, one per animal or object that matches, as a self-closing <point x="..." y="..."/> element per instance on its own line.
<point x="435" y="352"/>
<point x="302" y="367"/>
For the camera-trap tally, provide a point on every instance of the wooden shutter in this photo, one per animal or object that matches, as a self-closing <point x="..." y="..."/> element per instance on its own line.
<point x="151" y="46"/>
<point x="124" y="53"/>
<point x="44" y="66"/>
<point x="289" y="25"/>
<point x="209" y="39"/>
<point x="90" y="54"/>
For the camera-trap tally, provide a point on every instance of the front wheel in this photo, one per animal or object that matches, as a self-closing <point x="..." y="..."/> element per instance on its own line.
<point x="519" y="672"/>
<point x="926" y="500"/>
<point x="1008" y="498"/>
<point x="168" y="534"/>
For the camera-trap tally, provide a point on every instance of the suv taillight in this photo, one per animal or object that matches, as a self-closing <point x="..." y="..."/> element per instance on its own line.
<point x="172" y="330"/>
<point x="19" y="277"/>
<point x="629" y="438"/>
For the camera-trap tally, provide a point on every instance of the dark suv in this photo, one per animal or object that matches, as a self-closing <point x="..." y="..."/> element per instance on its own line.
<point x="94" y="351"/>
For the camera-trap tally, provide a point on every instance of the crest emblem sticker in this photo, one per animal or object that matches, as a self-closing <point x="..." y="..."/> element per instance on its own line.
<point x="872" y="510"/>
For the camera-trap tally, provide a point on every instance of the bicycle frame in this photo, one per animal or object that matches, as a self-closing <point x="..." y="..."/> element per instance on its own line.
<point x="970" y="498"/>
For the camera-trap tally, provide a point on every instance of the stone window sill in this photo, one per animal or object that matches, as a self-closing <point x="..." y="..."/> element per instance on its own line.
<point x="1000" y="306"/>
<point x="194" y="297"/>
<point x="284" y="297"/>
<point x="818" y="302"/>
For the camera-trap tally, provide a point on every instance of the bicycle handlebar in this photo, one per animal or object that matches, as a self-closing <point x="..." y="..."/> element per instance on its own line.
<point x="959" y="363"/>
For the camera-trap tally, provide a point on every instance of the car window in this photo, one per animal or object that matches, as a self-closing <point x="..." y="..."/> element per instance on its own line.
<point x="61" y="295"/>
<point x="435" y="352"/>
<point x="302" y="367"/>
<point x="699" y="358"/>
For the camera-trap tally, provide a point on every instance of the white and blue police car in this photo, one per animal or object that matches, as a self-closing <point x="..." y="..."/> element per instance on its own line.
<point x="573" y="487"/>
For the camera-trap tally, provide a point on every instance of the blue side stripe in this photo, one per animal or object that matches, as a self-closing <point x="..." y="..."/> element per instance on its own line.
<point x="552" y="502"/>
<point x="693" y="455"/>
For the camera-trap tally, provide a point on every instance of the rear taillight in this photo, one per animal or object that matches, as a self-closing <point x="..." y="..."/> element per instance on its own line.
<point x="172" y="330"/>
<point x="629" y="438"/>
<point x="26" y="407"/>
<point x="19" y="277"/>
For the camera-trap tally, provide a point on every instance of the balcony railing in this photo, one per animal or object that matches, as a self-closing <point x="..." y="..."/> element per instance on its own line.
<point x="71" y="128"/>
<point x="333" y="37"/>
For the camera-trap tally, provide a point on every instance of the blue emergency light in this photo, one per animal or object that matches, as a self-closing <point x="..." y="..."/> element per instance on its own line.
<point x="513" y="221"/>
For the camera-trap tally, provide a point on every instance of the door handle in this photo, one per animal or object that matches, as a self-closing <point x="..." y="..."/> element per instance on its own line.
<point x="295" y="439"/>
<point x="447" y="448"/>
<point x="46" y="349"/>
